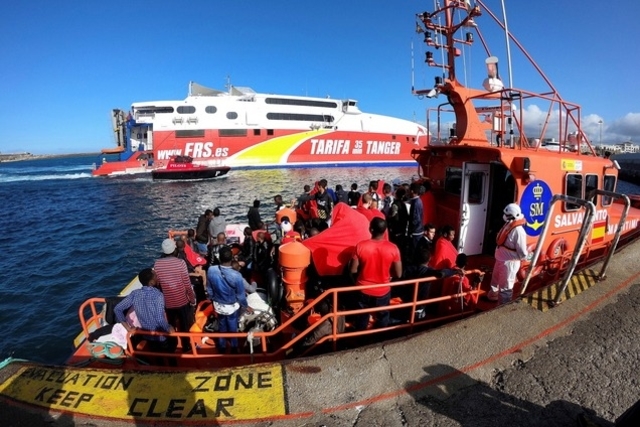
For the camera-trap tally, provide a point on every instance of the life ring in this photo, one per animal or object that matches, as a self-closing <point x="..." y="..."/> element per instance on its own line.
<point x="556" y="254"/>
<point x="557" y="248"/>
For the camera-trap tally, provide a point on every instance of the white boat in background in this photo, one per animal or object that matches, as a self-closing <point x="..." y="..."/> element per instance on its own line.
<point x="241" y="128"/>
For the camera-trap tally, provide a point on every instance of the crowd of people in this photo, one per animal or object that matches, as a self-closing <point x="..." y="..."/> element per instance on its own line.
<point x="204" y="265"/>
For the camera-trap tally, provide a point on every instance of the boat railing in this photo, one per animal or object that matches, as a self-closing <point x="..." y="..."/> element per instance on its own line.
<point x="580" y="243"/>
<point x="506" y="125"/>
<point x="287" y="339"/>
<point x="616" y="238"/>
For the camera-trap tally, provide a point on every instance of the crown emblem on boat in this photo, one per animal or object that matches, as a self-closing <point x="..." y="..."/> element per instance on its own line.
<point x="537" y="191"/>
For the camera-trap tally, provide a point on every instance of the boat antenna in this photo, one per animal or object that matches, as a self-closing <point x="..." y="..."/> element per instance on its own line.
<point x="506" y="32"/>
<point x="413" y="71"/>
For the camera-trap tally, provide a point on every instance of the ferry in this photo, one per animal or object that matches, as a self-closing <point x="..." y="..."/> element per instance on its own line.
<point x="240" y="128"/>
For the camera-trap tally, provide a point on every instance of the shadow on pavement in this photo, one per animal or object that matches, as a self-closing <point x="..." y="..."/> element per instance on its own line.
<point x="452" y="394"/>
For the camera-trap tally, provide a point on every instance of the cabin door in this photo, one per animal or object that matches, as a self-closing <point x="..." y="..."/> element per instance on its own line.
<point x="473" y="207"/>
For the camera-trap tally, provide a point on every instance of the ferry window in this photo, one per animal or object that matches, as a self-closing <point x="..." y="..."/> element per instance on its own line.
<point x="270" y="132"/>
<point x="232" y="115"/>
<point x="453" y="181"/>
<point x="300" y="117"/>
<point x="573" y="188"/>
<point x="210" y="109"/>
<point x="153" y="110"/>
<point x="232" y="132"/>
<point x="590" y="185"/>
<point x="609" y="185"/>
<point x="301" y="102"/>
<point x="186" y="109"/>
<point x="256" y="132"/>
<point x="190" y="133"/>
<point x="476" y="184"/>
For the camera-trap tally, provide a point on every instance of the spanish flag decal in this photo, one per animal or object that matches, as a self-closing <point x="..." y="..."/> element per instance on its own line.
<point x="599" y="231"/>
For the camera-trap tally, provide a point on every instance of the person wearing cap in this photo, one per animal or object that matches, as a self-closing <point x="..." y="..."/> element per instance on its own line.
<point x="511" y="249"/>
<point x="179" y="298"/>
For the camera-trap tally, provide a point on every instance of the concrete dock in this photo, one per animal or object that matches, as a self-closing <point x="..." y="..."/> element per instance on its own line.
<point x="517" y="365"/>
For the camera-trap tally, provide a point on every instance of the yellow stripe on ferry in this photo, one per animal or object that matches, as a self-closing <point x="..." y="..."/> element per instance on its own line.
<point x="186" y="397"/>
<point x="273" y="151"/>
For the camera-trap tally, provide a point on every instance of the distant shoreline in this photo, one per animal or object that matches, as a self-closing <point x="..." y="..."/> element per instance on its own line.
<point x="17" y="157"/>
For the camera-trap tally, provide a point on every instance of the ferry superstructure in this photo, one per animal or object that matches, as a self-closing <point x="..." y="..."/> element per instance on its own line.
<point x="241" y="128"/>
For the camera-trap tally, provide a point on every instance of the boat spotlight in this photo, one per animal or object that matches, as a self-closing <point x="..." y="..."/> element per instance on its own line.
<point x="433" y="93"/>
<point x="427" y="38"/>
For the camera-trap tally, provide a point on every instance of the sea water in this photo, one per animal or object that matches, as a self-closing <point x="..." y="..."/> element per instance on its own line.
<point x="68" y="236"/>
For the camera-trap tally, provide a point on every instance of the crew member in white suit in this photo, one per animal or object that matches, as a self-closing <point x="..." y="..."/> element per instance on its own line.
<point x="511" y="249"/>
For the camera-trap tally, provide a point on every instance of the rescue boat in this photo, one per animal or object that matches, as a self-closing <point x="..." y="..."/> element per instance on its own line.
<point x="489" y="157"/>
<point x="242" y="129"/>
<point x="183" y="168"/>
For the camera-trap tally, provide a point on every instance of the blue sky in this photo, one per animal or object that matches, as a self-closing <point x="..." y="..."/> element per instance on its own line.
<point x="66" y="64"/>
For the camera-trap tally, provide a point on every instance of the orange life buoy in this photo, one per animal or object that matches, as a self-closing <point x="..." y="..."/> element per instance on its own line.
<point x="556" y="254"/>
<point x="557" y="248"/>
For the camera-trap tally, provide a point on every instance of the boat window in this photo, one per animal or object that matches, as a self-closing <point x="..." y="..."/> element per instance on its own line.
<point x="609" y="185"/>
<point x="232" y="115"/>
<point x="590" y="185"/>
<point x="300" y="117"/>
<point x="256" y="132"/>
<point x="453" y="181"/>
<point x="232" y="132"/>
<point x="270" y="132"/>
<point x="210" y="109"/>
<point x="301" y="102"/>
<point x="475" y="194"/>
<point x="186" y="109"/>
<point x="190" y="133"/>
<point x="573" y="188"/>
<point x="150" y="111"/>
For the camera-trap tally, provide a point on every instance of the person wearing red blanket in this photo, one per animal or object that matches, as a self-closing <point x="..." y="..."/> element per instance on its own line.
<point x="375" y="261"/>
<point x="444" y="254"/>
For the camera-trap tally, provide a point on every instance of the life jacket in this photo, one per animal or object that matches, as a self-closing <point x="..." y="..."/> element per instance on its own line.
<point x="506" y="229"/>
<point x="291" y="236"/>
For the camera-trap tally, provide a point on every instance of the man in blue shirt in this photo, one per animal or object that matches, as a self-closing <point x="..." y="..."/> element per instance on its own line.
<point x="148" y="304"/>
<point x="226" y="289"/>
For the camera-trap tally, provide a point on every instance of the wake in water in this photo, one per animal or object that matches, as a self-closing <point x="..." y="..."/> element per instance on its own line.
<point x="43" y="171"/>
<point x="61" y="176"/>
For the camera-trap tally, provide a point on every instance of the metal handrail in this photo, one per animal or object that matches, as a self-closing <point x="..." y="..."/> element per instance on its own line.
<point x="586" y="226"/>
<point x="616" y="238"/>
<point x="262" y="350"/>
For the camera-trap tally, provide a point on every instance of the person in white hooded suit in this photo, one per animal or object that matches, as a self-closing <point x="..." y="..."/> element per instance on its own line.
<point x="511" y="249"/>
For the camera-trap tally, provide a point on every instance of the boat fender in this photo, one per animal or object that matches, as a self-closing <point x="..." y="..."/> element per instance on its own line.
<point x="273" y="286"/>
<point x="557" y="248"/>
